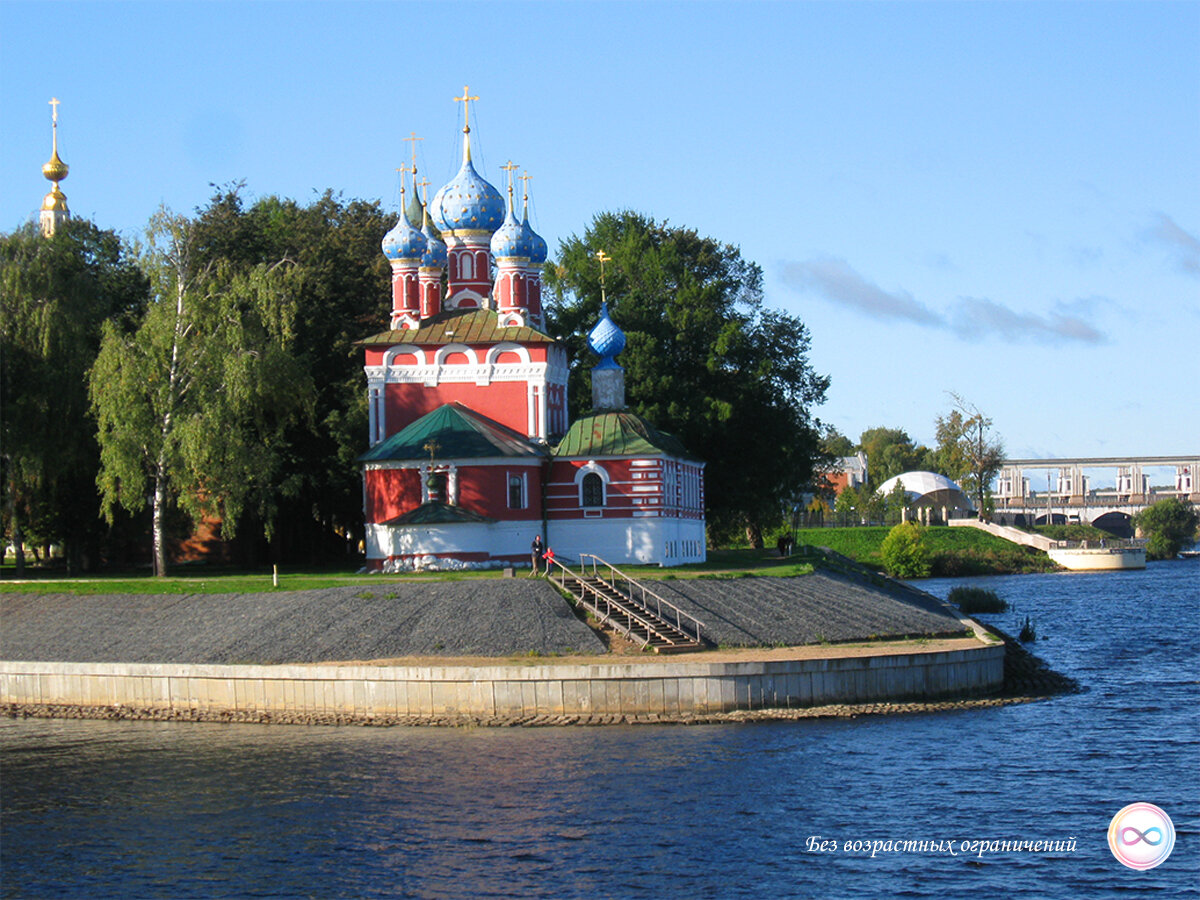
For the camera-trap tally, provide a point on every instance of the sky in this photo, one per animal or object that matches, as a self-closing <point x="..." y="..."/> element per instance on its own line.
<point x="1000" y="200"/>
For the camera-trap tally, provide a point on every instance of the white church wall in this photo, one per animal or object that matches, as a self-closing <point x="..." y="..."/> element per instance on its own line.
<point x="631" y="541"/>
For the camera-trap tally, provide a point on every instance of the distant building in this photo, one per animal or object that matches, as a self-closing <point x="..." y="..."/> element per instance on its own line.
<point x="471" y="451"/>
<point x="848" y="471"/>
<point x="943" y="498"/>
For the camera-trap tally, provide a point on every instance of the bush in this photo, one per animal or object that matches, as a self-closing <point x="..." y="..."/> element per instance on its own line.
<point x="1169" y="524"/>
<point x="977" y="600"/>
<point x="903" y="553"/>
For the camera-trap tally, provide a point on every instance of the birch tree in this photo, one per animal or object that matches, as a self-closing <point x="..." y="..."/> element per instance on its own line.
<point x="192" y="404"/>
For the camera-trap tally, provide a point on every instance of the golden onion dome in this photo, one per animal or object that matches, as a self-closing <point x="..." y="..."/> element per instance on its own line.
<point x="55" y="201"/>
<point x="55" y="170"/>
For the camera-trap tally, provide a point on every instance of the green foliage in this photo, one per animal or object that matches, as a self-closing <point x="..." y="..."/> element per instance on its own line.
<point x="977" y="600"/>
<point x="903" y="553"/>
<point x="836" y="444"/>
<point x="953" y="552"/>
<point x="192" y="402"/>
<point x="341" y="294"/>
<point x="1073" y="531"/>
<point x="1170" y="524"/>
<point x="968" y="448"/>
<point x="890" y="452"/>
<point x="54" y="295"/>
<point x="704" y="359"/>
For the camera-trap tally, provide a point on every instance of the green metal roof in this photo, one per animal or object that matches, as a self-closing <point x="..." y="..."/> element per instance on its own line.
<point x="458" y="326"/>
<point x="459" y="432"/>
<point x="437" y="513"/>
<point x="619" y="434"/>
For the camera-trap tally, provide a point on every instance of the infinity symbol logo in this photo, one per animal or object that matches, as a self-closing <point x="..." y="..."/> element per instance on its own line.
<point x="1141" y="836"/>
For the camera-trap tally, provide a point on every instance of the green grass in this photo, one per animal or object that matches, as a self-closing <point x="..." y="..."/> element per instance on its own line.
<point x="953" y="551"/>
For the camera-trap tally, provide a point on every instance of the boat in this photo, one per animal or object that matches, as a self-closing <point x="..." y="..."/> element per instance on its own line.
<point x="1081" y="556"/>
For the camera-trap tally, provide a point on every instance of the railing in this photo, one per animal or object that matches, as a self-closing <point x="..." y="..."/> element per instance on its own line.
<point x="601" y="605"/>
<point x="642" y="595"/>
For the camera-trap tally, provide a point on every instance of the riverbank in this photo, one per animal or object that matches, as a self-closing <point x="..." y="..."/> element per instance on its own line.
<point x="1026" y="679"/>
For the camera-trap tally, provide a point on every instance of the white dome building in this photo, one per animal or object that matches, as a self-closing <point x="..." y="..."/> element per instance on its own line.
<point x="930" y="490"/>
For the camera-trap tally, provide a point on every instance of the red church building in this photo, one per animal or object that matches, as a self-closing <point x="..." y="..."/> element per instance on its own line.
<point x="471" y="451"/>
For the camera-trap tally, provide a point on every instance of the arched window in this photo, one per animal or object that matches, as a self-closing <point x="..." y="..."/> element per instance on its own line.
<point x="516" y="492"/>
<point x="592" y="489"/>
<point x="467" y="265"/>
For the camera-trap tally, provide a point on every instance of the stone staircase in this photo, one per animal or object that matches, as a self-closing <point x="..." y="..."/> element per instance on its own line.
<point x="629" y="607"/>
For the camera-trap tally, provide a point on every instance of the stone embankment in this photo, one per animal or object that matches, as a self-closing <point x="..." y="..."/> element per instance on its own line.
<point x="1026" y="679"/>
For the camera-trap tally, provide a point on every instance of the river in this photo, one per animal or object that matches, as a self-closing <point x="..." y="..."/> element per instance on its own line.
<point x="139" y="809"/>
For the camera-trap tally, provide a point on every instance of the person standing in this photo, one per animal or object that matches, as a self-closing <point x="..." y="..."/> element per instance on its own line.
<point x="536" y="549"/>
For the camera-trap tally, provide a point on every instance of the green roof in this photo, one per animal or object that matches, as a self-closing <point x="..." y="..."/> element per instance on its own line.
<point x="459" y="432"/>
<point x="435" y="512"/>
<point x="618" y="434"/>
<point x="458" y="326"/>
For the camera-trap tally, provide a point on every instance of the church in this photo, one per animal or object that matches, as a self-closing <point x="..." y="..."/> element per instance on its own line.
<point x="471" y="451"/>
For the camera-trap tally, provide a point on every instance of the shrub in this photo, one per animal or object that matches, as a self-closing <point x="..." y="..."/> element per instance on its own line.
<point x="903" y="553"/>
<point x="977" y="600"/>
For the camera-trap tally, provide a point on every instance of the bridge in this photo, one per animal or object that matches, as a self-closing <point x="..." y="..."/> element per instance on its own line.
<point x="1069" y="498"/>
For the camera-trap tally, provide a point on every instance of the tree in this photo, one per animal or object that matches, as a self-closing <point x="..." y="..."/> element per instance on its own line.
<point x="192" y="402"/>
<point x="54" y="294"/>
<point x="704" y="358"/>
<point x="344" y="295"/>
<point x="890" y="452"/>
<point x="1170" y="524"/>
<point x="836" y="444"/>
<point x="904" y="553"/>
<point x="969" y="448"/>
<point x="897" y="502"/>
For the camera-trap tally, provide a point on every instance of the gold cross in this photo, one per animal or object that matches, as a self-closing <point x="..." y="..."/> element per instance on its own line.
<point x="414" y="139"/>
<point x="54" y="101"/>
<point x="465" y="100"/>
<point x="433" y="447"/>
<point x="526" y="178"/>
<point x="403" y="170"/>
<point x="603" y="257"/>
<point x="423" y="184"/>
<point x="510" y="168"/>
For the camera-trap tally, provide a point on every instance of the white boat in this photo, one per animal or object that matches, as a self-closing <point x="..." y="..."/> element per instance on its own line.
<point x="1092" y="555"/>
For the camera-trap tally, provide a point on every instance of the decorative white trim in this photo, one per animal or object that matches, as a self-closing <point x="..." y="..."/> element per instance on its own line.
<point x="439" y="358"/>
<point x="508" y="347"/>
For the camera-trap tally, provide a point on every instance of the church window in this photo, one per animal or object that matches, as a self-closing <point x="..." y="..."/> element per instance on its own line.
<point x="592" y="489"/>
<point x="516" y="492"/>
<point x="467" y="265"/>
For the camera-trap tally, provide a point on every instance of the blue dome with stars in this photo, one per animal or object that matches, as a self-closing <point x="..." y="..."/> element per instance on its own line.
<point x="434" y="256"/>
<point x="606" y="339"/>
<point x="403" y="241"/>
<point x="512" y="240"/>
<point x="467" y="203"/>
<point x="537" y="244"/>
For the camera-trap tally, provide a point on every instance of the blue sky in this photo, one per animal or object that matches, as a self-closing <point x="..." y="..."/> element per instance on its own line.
<point x="996" y="199"/>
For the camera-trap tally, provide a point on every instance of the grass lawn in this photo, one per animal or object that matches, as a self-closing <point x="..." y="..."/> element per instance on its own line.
<point x="955" y="551"/>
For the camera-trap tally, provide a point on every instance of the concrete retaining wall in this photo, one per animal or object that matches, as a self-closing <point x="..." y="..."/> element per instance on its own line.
<point x="639" y="688"/>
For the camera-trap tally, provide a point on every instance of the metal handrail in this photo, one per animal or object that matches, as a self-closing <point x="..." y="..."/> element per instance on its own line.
<point x="659" y="602"/>
<point x="604" y="615"/>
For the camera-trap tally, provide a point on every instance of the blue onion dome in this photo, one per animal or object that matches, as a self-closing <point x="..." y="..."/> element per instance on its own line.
<point x="403" y="241"/>
<point x="537" y="244"/>
<point x="539" y="250"/>
<point x="467" y="203"/>
<point x="606" y="339"/>
<point x="511" y="240"/>
<point x="435" y="248"/>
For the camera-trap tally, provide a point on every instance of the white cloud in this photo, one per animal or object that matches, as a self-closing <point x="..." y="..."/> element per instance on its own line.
<point x="1185" y="246"/>
<point x="970" y="318"/>
<point x="834" y="280"/>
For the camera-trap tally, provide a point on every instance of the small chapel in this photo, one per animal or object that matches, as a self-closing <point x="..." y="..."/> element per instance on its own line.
<point x="471" y="451"/>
